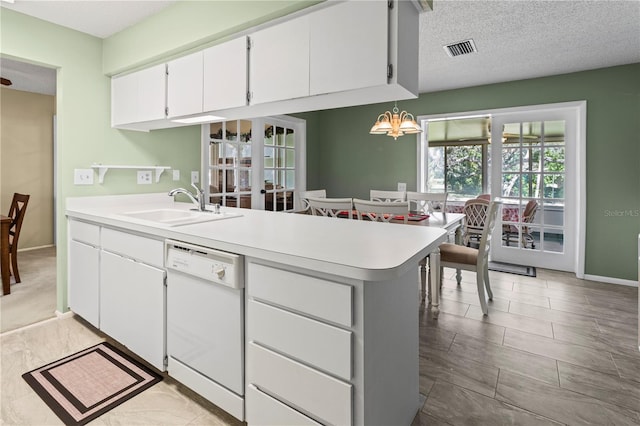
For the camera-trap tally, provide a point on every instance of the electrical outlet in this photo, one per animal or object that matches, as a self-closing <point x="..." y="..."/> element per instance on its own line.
<point x="195" y="177"/>
<point x="83" y="176"/>
<point x="402" y="186"/>
<point x="176" y="175"/>
<point x="144" y="177"/>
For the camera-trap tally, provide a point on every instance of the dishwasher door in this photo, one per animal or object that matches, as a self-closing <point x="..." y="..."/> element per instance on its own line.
<point x="205" y="320"/>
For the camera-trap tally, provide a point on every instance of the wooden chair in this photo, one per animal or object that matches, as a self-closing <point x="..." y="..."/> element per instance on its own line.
<point x="16" y="213"/>
<point x="471" y="259"/>
<point x="381" y="211"/>
<point x="484" y="197"/>
<point x="377" y="195"/>
<point x="426" y="203"/>
<point x="316" y="193"/>
<point x="330" y="207"/>
<point x="476" y="212"/>
<point x="510" y="232"/>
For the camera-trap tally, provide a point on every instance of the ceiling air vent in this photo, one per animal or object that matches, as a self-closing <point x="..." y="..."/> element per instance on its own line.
<point x="461" y="48"/>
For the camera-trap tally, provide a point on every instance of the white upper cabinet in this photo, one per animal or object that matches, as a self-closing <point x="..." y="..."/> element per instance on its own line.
<point x="225" y="75"/>
<point x="348" y="46"/>
<point x="279" y="58"/>
<point x="139" y="96"/>
<point x="184" y="85"/>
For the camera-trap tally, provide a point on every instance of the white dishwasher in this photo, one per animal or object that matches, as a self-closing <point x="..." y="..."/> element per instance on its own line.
<point x="205" y="330"/>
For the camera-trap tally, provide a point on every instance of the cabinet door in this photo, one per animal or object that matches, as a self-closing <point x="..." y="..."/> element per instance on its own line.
<point x="225" y="75"/>
<point x="279" y="62"/>
<point x="139" y="96"/>
<point x="184" y="85"/>
<point x="84" y="261"/>
<point x="132" y="306"/>
<point x="348" y="46"/>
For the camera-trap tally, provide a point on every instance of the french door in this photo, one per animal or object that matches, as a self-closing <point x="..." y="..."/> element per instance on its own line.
<point x="255" y="164"/>
<point x="534" y="171"/>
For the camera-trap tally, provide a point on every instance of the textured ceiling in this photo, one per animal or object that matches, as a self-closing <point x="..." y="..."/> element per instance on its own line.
<point x="515" y="39"/>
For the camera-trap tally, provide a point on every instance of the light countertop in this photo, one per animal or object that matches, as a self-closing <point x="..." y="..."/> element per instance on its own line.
<point x="361" y="250"/>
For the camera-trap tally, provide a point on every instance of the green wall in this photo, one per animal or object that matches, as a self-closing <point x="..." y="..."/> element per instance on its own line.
<point x="348" y="161"/>
<point x="84" y="134"/>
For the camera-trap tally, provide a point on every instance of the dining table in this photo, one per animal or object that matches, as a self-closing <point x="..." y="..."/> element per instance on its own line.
<point x="5" y="224"/>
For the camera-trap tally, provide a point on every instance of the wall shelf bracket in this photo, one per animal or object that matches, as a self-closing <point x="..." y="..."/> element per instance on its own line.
<point x="103" y="169"/>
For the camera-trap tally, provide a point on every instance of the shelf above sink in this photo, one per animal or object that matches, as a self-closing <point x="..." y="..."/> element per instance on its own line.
<point x="177" y="217"/>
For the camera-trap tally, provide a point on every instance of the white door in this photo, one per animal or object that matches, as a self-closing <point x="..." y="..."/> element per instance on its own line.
<point x="255" y="163"/>
<point x="184" y="85"/>
<point x="534" y="159"/>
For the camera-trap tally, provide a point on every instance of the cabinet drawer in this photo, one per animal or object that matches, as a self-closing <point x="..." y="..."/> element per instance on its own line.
<point x="313" y="342"/>
<point x="323" y="396"/>
<point x="266" y="411"/>
<point x="317" y="297"/>
<point x="143" y="249"/>
<point x="84" y="232"/>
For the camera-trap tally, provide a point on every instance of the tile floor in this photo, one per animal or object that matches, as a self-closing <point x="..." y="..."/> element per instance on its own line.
<point x="554" y="350"/>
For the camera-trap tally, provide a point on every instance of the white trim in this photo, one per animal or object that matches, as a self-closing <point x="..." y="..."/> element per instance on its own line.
<point x="35" y="248"/>
<point x="611" y="280"/>
<point x="581" y="142"/>
<point x="36" y="324"/>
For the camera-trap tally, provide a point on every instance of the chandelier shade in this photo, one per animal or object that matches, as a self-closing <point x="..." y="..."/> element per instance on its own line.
<point x="395" y="124"/>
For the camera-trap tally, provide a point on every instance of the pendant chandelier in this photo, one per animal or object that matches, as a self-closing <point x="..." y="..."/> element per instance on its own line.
<point x="395" y="124"/>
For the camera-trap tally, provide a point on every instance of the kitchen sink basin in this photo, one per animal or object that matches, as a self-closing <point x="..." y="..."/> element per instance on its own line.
<point x="176" y="217"/>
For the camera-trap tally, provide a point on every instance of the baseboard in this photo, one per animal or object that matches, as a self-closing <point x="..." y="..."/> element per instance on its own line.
<point x="35" y="248"/>
<point x="611" y="280"/>
<point x="61" y="315"/>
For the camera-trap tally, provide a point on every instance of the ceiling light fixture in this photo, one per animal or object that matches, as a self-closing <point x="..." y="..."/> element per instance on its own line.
<point x="395" y="124"/>
<point x="199" y="119"/>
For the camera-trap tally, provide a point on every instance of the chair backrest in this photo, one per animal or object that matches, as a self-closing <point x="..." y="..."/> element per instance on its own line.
<point x="330" y="207"/>
<point x="377" y="195"/>
<point x="487" y="231"/>
<point x="315" y="193"/>
<point x="484" y="197"/>
<point x="382" y="211"/>
<point x="16" y="213"/>
<point x="529" y="211"/>
<point x="475" y="211"/>
<point x="427" y="202"/>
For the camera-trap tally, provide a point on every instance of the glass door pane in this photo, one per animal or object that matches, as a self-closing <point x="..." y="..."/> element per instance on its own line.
<point x="279" y="167"/>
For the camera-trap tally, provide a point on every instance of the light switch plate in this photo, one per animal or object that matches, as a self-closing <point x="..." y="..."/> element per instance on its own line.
<point x="83" y="176"/>
<point x="176" y="174"/>
<point x="195" y="177"/>
<point x="402" y="186"/>
<point x="144" y="177"/>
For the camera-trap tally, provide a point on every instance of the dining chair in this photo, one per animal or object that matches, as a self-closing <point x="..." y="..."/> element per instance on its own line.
<point x="381" y="211"/>
<point x="510" y="232"/>
<point x="331" y="207"/>
<point x="471" y="259"/>
<point x="16" y="213"/>
<point x="315" y="193"/>
<point x="427" y="202"/>
<point x="378" y="195"/>
<point x="484" y="197"/>
<point x="475" y="211"/>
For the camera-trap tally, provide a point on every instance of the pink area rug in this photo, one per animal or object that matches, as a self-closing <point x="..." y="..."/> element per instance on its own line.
<point x="85" y="385"/>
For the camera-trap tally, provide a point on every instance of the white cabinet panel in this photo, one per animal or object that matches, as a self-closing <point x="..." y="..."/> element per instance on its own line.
<point x="132" y="306"/>
<point x="300" y="385"/>
<point x="225" y="75"/>
<point x="266" y="411"/>
<point x="348" y="46"/>
<point x="279" y="62"/>
<point x="301" y="338"/>
<point x="145" y="249"/>
<point x="313" y="296"/>
<point x="139" y="96"/>
<point x="184" y="85"/>
<point x="84" y="263"/>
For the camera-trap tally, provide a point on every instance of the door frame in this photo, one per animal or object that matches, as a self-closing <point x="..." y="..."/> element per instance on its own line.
<point x="578" y="108"/>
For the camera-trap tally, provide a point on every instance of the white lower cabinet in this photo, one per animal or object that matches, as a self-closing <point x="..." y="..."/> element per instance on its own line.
<point x="83" y="281"/>
<point x="291" y="376"/>
<point x="132" y="306"/>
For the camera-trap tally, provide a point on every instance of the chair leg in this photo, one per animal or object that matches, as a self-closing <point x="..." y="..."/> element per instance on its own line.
<point x="423" y="278"/>
<point x="14" y="267"/>
<point x="481" y="294"/>
<point x="487" y="283"/>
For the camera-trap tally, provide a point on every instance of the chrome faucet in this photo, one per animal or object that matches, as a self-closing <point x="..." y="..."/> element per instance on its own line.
<point x="198" y="200"/>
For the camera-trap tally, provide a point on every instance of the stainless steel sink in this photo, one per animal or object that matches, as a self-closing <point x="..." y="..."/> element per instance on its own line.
<point x="177" y="217"/>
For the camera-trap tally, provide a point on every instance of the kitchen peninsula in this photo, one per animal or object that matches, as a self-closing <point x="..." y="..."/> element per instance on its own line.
<point x="330" y="307"/>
